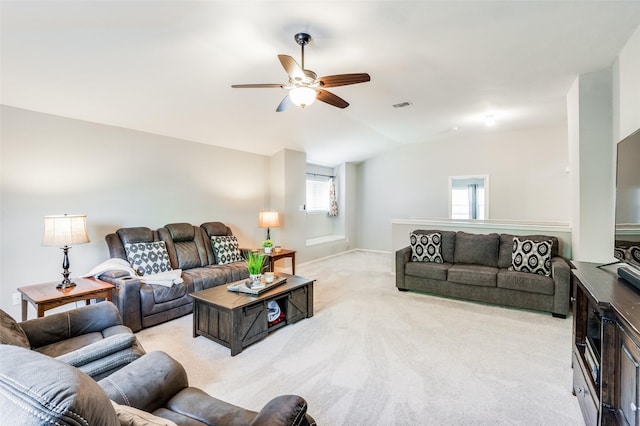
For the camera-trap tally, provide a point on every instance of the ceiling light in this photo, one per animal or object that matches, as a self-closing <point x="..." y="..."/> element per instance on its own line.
<point x="302" y="96"/>
<point x="489" y="120"/>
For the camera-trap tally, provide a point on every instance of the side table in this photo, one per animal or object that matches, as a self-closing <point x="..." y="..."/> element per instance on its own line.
<point x="46" y="296"/>
<point x="273" y="257"/>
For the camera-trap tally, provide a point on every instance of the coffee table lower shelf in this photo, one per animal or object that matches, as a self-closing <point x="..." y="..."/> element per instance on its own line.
<point x="236" y="320"/>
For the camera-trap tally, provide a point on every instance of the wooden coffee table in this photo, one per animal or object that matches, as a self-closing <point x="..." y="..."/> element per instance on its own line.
<point x="46" y="296"/>
<point x="237" y="320"/>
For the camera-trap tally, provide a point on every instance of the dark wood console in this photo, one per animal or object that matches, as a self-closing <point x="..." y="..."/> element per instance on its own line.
<point x="606" y="346"/>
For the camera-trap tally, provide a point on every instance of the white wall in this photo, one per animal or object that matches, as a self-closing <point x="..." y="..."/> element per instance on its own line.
<point x="590" y="123"/>
<point x="118" y="178"/>
<point x="526" y="173"/>
<point x="626" y="89"/>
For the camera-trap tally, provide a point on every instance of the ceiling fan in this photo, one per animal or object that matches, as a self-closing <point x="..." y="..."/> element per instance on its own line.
<point x="304" y="85"/>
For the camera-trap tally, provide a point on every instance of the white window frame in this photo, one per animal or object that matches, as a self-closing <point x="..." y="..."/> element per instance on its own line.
<point x="310" y="206"/>
<point x="484" y="178"/>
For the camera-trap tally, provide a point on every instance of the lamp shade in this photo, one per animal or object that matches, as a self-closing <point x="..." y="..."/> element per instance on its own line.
<point x="268" y="220"/>
<point x="302" y="96"/>
<point x="65" y="230"/>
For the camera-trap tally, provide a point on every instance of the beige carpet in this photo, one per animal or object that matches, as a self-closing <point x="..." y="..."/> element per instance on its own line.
<point x="372" y="355"/>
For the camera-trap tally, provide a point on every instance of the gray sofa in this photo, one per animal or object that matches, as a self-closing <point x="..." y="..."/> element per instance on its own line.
<point x="153" y="390"/>
<point x="91" y="338"/>
<point x="189" y="248"/>
<point x="477" y="267"/>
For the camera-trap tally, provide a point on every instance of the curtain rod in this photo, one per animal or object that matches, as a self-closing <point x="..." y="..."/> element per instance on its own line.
<point x="319" y="174"/>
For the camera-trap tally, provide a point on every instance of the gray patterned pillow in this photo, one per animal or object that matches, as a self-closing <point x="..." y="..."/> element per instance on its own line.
<point x="148" y="258"/>
<point x="226" y="249"/>
<point x="426" y="247"/>
<point x="530" y="256"/>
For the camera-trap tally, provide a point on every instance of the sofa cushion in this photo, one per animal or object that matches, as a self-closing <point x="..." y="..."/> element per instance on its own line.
<point x="477" y="249"/>
<point x="148" y="258"/>
<point x="479" y="275"/>
<point x="430" y="270"/>
<point x="530" y="256"/>
<point x="226" y="249"/>
<point x="531" y="283"/>
<point x="426" y="247"/>
<point x="506" y="247"/>
<point x="11" y="333"/>
<point x="447" y="242"/>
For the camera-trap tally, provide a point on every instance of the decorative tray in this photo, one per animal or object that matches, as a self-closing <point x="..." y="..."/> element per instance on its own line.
<point x="244" y="286"/>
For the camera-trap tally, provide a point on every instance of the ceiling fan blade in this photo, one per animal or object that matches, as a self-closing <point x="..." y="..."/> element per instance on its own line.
<point x="291" y="67"/>
<point x="256" y="86"/>
<point x="343" y="79"/>
<point x="285" y="104"/>
<point x="331" y="99"/>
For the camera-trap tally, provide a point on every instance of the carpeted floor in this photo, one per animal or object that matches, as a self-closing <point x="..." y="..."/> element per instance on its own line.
<point x="372" y="355"/>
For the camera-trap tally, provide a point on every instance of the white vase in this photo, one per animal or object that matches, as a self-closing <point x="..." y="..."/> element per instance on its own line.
<point x="255" y="278"/>
<point x="267" y="250"/>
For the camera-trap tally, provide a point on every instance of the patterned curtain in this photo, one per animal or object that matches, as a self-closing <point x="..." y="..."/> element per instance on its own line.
<point x="333" y="200"/>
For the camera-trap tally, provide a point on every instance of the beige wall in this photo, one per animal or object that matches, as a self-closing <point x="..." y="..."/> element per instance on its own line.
<point x="118" y="178"/>
<point x="526" y="169"/>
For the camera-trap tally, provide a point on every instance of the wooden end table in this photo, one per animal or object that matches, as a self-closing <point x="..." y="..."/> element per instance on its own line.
<point x="273" y="257"/>
<point x="46" y="296"/>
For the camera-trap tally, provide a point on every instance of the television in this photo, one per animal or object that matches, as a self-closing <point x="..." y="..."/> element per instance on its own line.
<point x="627" y="214"/>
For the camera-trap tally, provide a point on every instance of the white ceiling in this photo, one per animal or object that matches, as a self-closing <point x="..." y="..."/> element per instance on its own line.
<point x="166" y="67"/>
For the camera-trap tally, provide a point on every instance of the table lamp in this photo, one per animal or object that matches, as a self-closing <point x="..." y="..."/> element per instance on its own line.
<point x="268" y="220"/>
<point x="65" y="230"/>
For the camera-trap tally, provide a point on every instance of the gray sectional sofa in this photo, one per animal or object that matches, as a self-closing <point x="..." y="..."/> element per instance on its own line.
<point x="189" y="249"/>
<point x="477" y="267"/>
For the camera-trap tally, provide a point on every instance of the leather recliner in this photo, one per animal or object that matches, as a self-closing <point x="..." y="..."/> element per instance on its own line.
<point x="91" y="338"/>
<point x="189" y="249"/>
<point x="153" y="390"/>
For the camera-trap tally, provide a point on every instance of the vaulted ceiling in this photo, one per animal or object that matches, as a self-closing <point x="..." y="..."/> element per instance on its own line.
<point x="166" y="67"/>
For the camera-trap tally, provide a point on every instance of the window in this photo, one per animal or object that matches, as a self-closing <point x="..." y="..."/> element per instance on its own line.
<point x="468" y="197"/>
<point x="317" y="193"/>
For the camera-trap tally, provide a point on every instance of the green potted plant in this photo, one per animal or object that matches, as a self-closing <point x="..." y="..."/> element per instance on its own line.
<point x="266" y="245"/>
<point x="254" y="261"/>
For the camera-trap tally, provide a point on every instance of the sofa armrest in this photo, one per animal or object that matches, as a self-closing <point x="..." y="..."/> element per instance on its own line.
<point x="126" y="296"/>
<point x="402" y="257"/>
<point x="147" y="383"/>
<point x="561" y="274"/>
<point x="64" y="325"/>
<point x="284" y="410"/>
<point x="98" y="350"/>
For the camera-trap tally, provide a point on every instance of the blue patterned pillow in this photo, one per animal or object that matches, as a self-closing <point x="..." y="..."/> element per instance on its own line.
<point x="530" y="256"/>
<point x="226" y="249"/>
<point x="148" y="258"/>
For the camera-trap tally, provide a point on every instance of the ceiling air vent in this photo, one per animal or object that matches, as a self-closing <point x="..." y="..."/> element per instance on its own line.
<point x="402" y="104"/>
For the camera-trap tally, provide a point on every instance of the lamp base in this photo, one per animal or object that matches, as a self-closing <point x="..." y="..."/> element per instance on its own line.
<point x="66" y="284"/>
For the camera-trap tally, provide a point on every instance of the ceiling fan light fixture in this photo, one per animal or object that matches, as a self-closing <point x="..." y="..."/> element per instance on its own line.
<point x="302" y="96"/>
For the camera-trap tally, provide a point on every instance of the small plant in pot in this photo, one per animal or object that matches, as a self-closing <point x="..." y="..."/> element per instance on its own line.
<point x="254" y="261"/>
<point x="266" y="245"/>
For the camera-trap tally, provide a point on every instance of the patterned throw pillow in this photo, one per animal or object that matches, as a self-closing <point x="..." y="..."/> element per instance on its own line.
<point x="530" y="256"/>
<point x="426" y="247"/>
<point x="226" y="249"/>
<point x="148" y="258"/>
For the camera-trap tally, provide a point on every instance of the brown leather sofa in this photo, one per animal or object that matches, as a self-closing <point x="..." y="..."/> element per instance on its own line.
<point x="189" y="248"/>
<point x="153" y="390"/>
